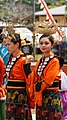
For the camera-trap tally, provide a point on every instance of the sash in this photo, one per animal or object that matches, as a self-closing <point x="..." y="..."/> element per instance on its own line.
<point x="16" y="84"/>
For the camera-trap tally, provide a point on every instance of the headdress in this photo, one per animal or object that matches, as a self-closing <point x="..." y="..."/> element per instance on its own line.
<point x="11" y="28"/>
<point x="24" y="43"/>
<point x="45" y="27"/>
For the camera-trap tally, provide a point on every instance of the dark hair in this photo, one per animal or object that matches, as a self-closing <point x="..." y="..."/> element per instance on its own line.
<point x="50" y="37"/>
<point x="0" y="30"/>
<point x="15" y="38"/>
<point x="1" y="39"/>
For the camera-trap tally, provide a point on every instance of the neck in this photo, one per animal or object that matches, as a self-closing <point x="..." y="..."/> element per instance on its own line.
<point x="16" y="53"/>
<point x="48" y="54"/>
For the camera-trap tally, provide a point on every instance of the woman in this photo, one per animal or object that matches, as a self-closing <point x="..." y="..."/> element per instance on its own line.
<point x="3" y="49"/>
<point x="2" y="91"/>
<point x="45" y="79"/>
<point x="17" y="107"/>
<point x="63" y="93"/>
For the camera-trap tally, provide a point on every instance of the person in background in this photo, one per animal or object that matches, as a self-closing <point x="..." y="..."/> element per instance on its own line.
<point x="2" y="91"/>
<point x="3" y="48"/>
<point x="1" y="40"/>
<point x="44" y="81"/>
<point x="17" y="106"/>
<point x="26" y="47"/>
<point x="63" y="93"/>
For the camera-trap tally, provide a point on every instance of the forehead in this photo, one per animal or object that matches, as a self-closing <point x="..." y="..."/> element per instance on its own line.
<point x="44" y="39"/>
<point x="9" y="41"/>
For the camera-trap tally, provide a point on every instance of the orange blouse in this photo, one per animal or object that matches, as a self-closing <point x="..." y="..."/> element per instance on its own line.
<point x="50" y="73"/>
<point x="17" y="72"/>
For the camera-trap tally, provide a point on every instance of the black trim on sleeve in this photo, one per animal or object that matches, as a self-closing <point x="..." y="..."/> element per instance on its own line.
<point x="27" y="69"/>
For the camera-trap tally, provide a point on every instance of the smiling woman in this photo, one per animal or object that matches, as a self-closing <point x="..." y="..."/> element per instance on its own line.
<point x="44" y="82"/>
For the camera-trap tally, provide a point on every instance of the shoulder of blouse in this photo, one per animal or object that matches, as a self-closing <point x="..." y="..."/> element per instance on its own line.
<point x="22" y="59"/>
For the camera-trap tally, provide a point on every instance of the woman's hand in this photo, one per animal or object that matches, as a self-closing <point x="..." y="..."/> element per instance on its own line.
<point x="29" y="58"/>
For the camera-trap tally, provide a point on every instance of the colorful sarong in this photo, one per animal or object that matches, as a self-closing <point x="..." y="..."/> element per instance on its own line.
<point x="51" y="108"/>
<point x="17" y="107"/>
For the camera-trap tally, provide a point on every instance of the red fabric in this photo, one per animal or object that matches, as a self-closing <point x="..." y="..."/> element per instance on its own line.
<point x="2" y="72"/>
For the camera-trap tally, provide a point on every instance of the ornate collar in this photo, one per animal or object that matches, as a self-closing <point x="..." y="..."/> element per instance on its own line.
<point x="11" y="63"/>
<point x="43" y="63"/>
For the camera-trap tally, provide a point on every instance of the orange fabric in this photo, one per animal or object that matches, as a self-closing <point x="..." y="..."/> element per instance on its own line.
<point x="17" y="72"/>
<point x="50" y="73"/>
<point x="2" y="72"/>
<point x="3" y="91"/>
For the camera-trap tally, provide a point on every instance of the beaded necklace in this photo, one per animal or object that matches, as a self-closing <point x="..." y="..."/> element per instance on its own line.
<point x="43" y="63"/>
<point x="11" y="63"/>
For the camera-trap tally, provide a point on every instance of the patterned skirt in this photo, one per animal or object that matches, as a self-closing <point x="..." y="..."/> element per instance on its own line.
<point x="51" y="108"/>
<point x="17" y="106"/>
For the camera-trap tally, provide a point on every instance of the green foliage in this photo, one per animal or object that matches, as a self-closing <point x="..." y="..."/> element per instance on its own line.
<point x="6" y="6"/>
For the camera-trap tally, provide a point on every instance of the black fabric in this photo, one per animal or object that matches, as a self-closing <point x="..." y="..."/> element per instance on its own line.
<point x="61" y="61"/>
<point x="38" y="86"/>
<point x="16" y="84"/>
<point x="27" y="69"/>
<point x="56" y="84"/>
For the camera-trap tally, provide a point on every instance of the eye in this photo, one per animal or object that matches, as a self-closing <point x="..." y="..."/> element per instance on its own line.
<point x="46" y="43"/>
<point x="41" y="43"/>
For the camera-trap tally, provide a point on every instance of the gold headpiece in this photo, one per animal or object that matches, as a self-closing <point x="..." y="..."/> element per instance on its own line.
<point x="45" y="27"/>
<point x="11" y="28"/>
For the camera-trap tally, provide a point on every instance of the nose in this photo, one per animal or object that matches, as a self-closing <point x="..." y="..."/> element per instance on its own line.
<point x="43" y="44"/>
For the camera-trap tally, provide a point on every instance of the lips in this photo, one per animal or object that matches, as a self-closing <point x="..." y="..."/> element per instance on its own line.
<point x="43" y="48"/>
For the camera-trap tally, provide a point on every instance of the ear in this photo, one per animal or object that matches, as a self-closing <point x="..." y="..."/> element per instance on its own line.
<point x="17" y="45"/>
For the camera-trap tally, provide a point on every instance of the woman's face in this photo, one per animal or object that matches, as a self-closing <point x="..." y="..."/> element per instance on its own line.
<point x="45" y="45"/>
<point x="4" y="41"/>
<point x="11" y="46"/>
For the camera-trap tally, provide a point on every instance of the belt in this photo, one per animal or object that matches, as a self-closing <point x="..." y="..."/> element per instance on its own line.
<point x="16" y="84"/>
<point x="55" y="86"/>
<point x="56" y="83"/>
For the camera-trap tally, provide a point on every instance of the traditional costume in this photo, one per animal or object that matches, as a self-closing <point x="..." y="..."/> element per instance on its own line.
<point x="63" y="93"/>
<point x="2" y="91"/>
<point x="45" y="79"/>
<point x="17" y="106"/>
<point x="4" y="53"/>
